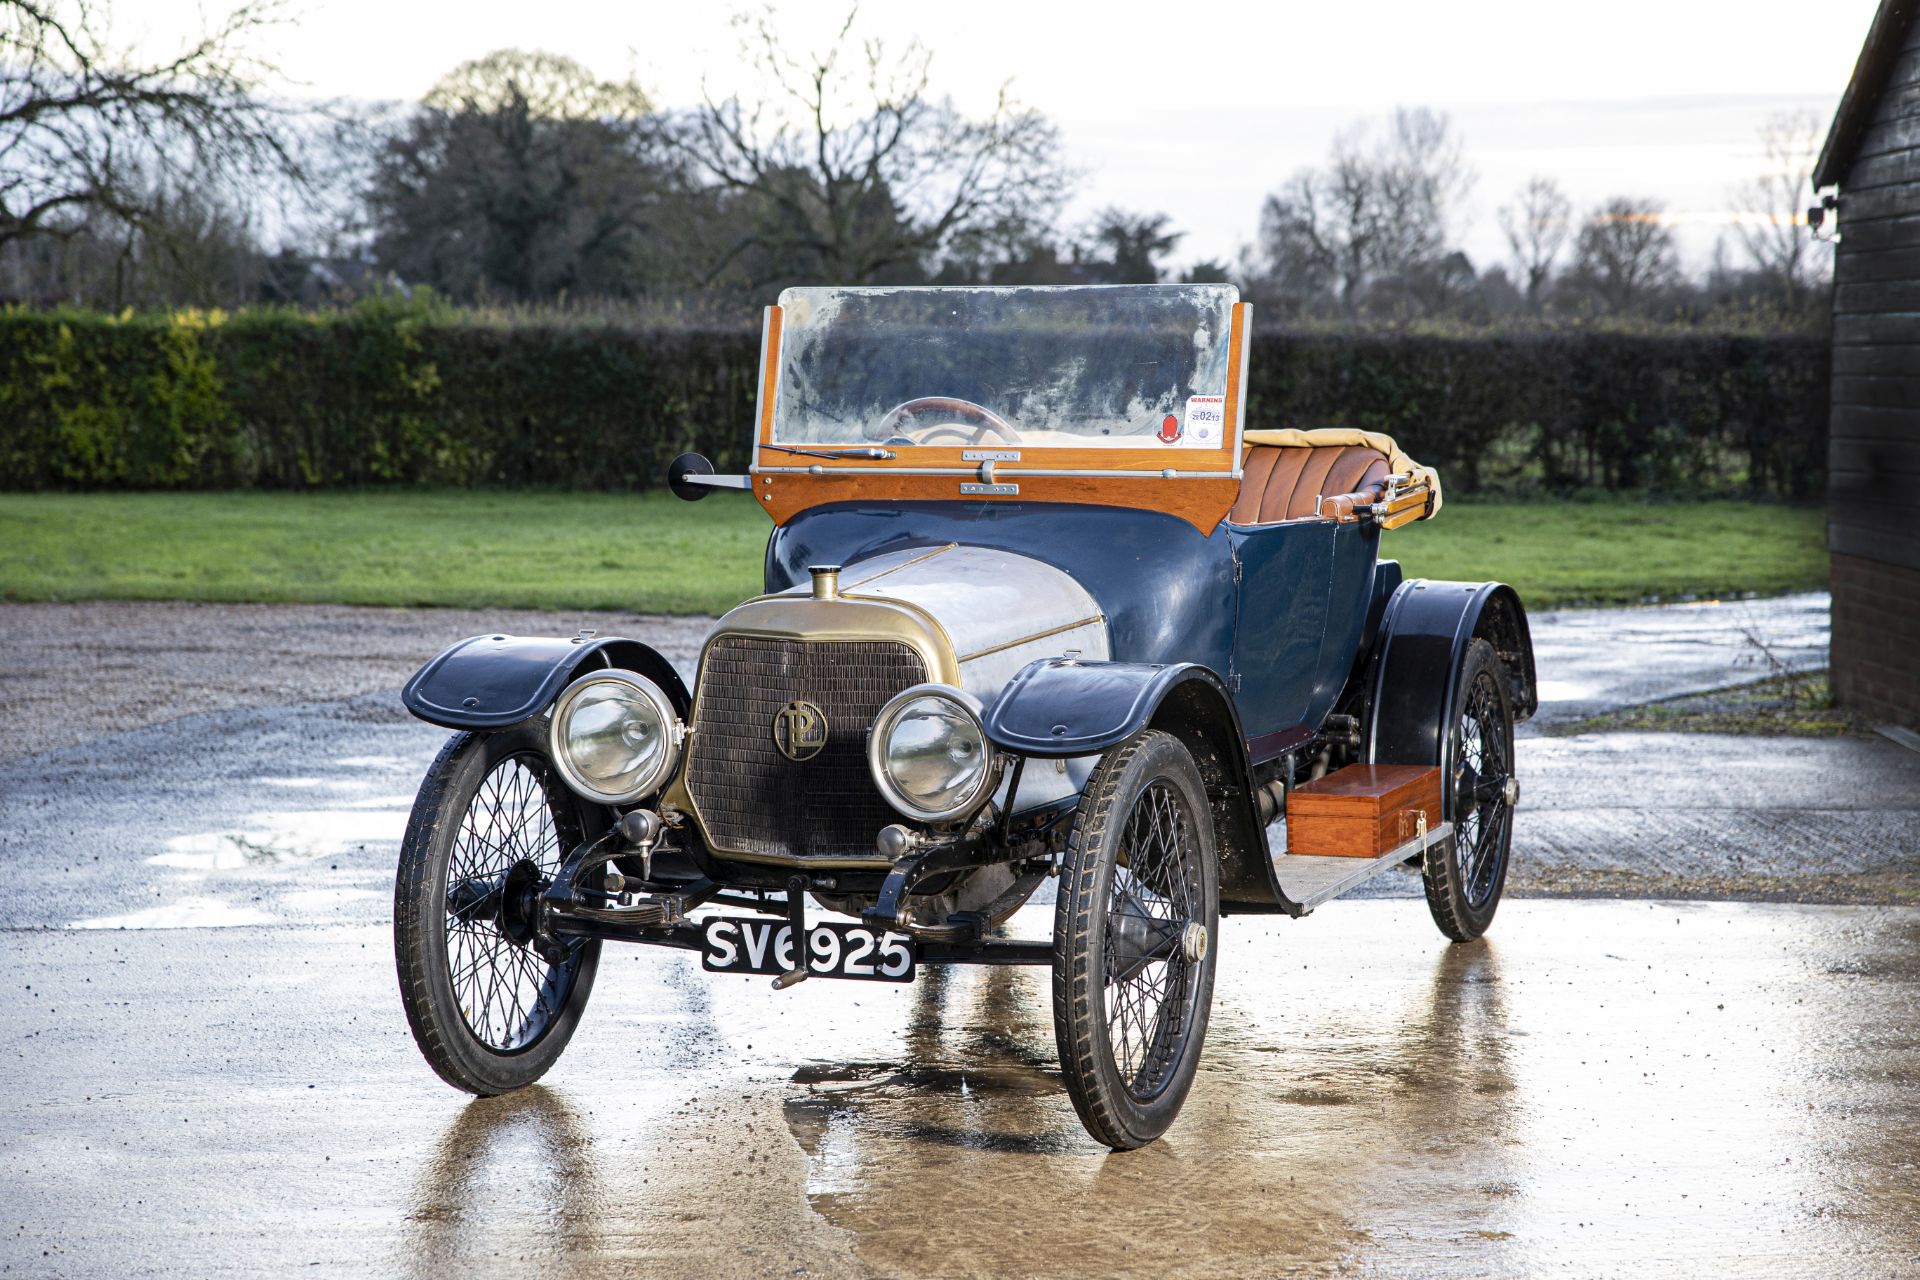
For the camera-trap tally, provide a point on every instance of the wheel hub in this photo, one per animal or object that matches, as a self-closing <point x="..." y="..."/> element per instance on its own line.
<point x="1467" y="784"/>
<point x="520" y="903"/>
<point x="1139" y="939"/>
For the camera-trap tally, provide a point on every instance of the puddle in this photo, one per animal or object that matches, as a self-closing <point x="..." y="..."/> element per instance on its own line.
<point x="977" y="1077"/>
<point x="405" y="763"/>
<point x="304" y="901"/>
<point x="921" y="1078"/>
<point x="929" y="1109"/>
<point x="863" y="1092"/>
<point x="275" y="839"/>
<point x="187" y="913"/>
<point x="1567" y="691"/>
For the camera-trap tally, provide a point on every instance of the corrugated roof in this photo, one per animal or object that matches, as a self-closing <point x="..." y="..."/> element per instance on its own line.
<point x="1885" y="38"/>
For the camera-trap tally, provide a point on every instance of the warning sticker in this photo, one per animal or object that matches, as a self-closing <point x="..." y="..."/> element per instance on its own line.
<point x="1206" y="426"/>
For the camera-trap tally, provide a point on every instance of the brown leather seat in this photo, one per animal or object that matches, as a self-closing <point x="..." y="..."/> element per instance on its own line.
<point x="1284" y="483"/>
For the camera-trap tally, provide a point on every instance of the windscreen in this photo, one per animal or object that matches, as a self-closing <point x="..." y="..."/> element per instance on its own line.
<point x="1134" y="366"/>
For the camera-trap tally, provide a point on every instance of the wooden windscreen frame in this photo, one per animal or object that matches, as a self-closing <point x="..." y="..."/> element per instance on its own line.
<point x="1198" y="486"/>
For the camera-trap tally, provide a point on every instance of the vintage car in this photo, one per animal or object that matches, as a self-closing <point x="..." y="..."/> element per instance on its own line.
<point x="1039" y="608"/>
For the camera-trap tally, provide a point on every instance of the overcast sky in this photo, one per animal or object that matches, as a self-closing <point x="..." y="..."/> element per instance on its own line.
<point x="1200" y="109"/>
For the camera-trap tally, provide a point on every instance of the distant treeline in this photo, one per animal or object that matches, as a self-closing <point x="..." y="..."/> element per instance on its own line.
<point x="523" y="178"/>
<point x="389" y="393"/>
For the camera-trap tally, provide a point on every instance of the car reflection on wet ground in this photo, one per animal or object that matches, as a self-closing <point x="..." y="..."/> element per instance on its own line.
<point x="1604" y="1088"/>
<point x="1601" y="1087"/>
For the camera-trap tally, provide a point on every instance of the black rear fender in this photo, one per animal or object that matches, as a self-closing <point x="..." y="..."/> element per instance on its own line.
<point x="1423" y="636"/>
<point x="1060" y="707"/>
<point x="490" y="682"/>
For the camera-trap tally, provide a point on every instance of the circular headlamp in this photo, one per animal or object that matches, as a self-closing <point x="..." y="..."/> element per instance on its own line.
<point x="929" y="754"/>
<point x="614" y="736"/>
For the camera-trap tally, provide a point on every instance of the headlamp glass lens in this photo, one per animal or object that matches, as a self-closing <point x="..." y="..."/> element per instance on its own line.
<point x="935" y="754"/>
<point x="613" y="737"/>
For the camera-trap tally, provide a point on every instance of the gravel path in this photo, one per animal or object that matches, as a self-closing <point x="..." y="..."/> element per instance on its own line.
<point x="75" y="672"/>
<point x="176" y="734"/>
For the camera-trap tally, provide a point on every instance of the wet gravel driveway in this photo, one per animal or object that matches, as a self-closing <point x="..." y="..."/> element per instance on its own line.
<point x="209" y="1073"/>
<point x="221" y="738"/>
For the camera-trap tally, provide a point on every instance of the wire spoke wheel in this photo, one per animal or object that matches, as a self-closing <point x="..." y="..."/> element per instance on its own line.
<point x="1149" y="978"/>
<point x="1483" y="764"/>
<point x="489" y="831"/>
<point x="1133" y="931"/>
<point x="509" y="849"/>
<point x="1464" y="882"/>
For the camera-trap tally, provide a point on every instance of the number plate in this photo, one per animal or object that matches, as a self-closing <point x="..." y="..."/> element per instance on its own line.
<point x="738" y="944"/>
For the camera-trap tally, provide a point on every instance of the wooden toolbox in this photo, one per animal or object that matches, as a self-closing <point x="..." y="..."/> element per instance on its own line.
<point x="1363" y="810"/>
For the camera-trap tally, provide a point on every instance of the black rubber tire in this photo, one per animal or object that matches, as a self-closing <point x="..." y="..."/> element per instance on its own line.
<point x="1461" y="913"/>
<point x="1113" y="1112"/>
<point x="449" y="1045"/>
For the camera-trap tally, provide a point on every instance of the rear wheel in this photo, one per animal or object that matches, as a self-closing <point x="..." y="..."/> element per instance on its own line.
<point x="1133" y="940"/>
<point x="489" y="829"/>
<point x="1464" y="880"/>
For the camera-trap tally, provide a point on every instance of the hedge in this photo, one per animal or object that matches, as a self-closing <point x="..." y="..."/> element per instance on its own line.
<point x="397" y="393"/>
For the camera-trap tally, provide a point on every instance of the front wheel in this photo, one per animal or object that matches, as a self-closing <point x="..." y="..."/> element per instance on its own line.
<point x="489" y="830"/>
<point x="1133" y="941"/>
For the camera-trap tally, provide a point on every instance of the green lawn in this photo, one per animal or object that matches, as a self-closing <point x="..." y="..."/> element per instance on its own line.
<point x="1619" y="551"/>
<point x="654" y="554"/>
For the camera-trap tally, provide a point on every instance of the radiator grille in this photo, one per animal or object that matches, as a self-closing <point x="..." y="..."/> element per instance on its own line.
<point x="754" y="799"/>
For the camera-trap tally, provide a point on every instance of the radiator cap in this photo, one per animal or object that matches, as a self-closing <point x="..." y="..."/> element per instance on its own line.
<point x="826" y="581"/>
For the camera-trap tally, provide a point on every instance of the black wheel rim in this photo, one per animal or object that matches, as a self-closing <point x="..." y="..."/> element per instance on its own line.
<point x="1151" y="969"/>
<point x="1482" y="771"/>
<point x="507" y="851"/>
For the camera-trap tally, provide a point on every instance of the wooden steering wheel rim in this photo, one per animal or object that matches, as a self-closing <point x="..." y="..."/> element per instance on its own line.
<point x="988" y="420"/>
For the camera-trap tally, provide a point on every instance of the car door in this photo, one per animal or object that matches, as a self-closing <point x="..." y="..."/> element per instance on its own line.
<point x="1286" y="581"/>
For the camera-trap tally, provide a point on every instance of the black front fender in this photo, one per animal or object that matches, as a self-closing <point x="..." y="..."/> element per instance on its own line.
<point x="1061" y="707"/>
<point x="490" y="682"/>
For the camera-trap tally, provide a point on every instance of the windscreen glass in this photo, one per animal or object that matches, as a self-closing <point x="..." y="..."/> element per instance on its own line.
<point x="1142" y="367"/>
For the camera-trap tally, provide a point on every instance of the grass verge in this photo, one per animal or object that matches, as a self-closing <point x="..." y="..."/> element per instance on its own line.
<point x="1800" y="703"/>
<point x="650" y="553"/>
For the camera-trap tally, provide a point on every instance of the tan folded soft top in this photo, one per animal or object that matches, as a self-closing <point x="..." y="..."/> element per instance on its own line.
<point x="1397" y="459"/>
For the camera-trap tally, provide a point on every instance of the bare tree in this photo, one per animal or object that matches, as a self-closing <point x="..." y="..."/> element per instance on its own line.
<point x="86" y="128"/>
<point x="1625" y="255"/>
<point x="1423" y="178"/>
<point x="1382" y="207"/>
<point x="1770" y="221"/>
<point x="853" y="171"/>
<point x="1320" y="227"/>
<point x="1537" y="225"/>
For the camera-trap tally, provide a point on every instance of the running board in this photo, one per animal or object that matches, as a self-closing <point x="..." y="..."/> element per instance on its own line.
<point x="1309" y="881"/>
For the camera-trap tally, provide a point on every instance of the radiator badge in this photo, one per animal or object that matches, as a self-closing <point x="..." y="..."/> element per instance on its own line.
<point x="800" y="730"/>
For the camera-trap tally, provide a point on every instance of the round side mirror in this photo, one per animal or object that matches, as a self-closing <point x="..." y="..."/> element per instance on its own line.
<point x="688" y="464"/>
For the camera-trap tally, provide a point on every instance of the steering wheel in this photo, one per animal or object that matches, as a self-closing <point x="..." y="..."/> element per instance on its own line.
<point x="987" y="421"/>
